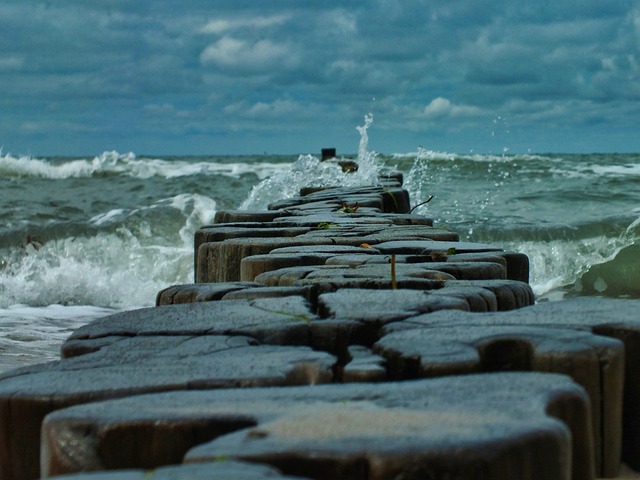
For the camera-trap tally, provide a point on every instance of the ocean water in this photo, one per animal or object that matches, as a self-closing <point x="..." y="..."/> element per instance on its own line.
<point x="84" y="237"/>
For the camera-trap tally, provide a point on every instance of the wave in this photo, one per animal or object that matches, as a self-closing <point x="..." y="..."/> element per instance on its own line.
<point x="579" y="170"/>
<point x="107" y="270"/>
<point x="425" y="154"/>
<point x="114" y="163"/>
<point x="624" y="170"/>
<point x="310" y="171"/>
<point x="619" y="274"/>
<point x="596" y="265"/>
<point x="618" y="277"/>
<point x="120" y="261"/>
<point x="31" y="335"/>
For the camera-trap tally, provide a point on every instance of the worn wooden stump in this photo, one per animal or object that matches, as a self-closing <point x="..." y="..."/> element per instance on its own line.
<point x="483" y="427"/>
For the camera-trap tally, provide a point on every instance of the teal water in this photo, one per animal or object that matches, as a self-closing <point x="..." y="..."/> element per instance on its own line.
<point x="575" y="216"/>
<point x="82" y="237"/>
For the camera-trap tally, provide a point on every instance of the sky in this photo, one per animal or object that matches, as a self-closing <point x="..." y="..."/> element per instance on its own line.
<point x="180" y="77"/>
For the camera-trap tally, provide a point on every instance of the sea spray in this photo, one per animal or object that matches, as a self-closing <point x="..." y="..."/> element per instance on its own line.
<point x="107" y="270"/>
<point x="416" y="181"/>
<point x="310" y="171"/>
<point x="122" y="261"/>
<point x="363" y="145"/>
<point x="307" y="170"/>
<point x="369" y="162"/>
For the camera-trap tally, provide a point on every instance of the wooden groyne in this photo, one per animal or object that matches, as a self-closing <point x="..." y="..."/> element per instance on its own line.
<point x="337" y="335"/>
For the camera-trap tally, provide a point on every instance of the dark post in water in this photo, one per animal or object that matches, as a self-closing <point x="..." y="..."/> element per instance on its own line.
<point x="328" y="153"/>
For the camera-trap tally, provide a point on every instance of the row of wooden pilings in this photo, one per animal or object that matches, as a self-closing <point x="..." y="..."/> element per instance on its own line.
<point x="336" y="335"/>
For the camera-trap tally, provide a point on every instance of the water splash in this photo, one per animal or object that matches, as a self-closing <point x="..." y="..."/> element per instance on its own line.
<point x="122" y="263"/>
<point x="420" y="176"/>
<point x="363" y="147"/>
<point x="309" y="171"/>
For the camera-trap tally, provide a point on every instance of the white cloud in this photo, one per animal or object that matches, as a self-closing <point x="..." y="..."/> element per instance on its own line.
<point x="441" y="107"/>
<point x="634" y="18"/>
<point x="222" y="25"/>
<point x="11" y="63"/>
<point x="276" y="108"/>
<point x="45" y="126"/>
<point x="233" y="53"/>
<point x="160" y="109"/>
<point x="234" y="108"/>
<point x="340" y="21"/>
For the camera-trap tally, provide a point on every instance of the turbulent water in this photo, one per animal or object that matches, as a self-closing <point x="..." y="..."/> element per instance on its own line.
<point x="83" y="237"/>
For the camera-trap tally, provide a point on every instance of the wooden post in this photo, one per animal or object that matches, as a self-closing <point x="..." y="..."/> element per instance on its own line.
<point x="328" y="153"/>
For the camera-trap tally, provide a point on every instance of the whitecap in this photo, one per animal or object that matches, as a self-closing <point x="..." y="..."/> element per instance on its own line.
<point x="114" y="163"/>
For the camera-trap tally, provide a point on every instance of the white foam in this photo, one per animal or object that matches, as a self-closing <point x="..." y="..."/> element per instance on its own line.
<point x="33" y="167"/>
<point x="425" y="154"/>
<point x="109" y="270"/>
<point x="34" y="334"/>
<point x="309" y="171"/>
<point x="199" y="210"/>
<point x="114" y="163"/>
<point x="57" y="313"/>
<point x="616" y="170"/>
<point x="108" y="217"/>
<point x="121" y="268"/>
<point x="560" y="263"/>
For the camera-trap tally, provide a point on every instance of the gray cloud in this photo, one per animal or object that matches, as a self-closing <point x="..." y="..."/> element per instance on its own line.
<point x="82" y="77"/>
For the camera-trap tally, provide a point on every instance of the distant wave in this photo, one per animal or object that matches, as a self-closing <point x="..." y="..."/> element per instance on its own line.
<point x="424" y="154"/>
<point x="114" y="163"/>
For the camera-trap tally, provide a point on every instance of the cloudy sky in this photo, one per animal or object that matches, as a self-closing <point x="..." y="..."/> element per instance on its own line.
<point x="79" y="77"/>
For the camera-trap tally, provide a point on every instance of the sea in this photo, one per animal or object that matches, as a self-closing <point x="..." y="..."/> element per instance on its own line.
<point x="81" y="238"/>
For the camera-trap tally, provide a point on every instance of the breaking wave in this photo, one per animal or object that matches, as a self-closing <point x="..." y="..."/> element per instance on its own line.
<point x="114" y="163"/>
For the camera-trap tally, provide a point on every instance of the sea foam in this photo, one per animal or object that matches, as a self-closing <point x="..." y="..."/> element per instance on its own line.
<point x="310" y="171"/>
<point x="128" y="164"/>
<point x="130" y="257"/>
